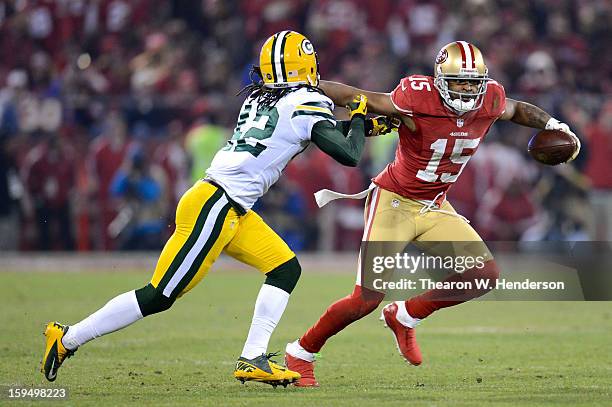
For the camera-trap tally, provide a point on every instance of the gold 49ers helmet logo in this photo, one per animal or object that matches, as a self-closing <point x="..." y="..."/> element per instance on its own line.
<point x="442" y="56"/>
<point x="307" y="47"/>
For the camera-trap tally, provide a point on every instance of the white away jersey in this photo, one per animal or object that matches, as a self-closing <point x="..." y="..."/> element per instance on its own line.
<point x="265" y="140"/>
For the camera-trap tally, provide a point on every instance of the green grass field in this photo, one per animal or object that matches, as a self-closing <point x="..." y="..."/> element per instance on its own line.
<point x="481" y="353"/>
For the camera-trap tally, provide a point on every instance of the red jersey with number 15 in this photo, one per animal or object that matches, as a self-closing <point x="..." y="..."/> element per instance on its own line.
<point x="430" y="158"/>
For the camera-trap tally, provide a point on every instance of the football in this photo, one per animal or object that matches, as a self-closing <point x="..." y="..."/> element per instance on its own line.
<point x="551" y="147"/>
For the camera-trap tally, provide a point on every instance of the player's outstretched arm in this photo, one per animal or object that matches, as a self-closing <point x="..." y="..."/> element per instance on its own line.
<point x="526" y="114"/>
<point x="342" y="94"/>
<point x="343" y="143"/>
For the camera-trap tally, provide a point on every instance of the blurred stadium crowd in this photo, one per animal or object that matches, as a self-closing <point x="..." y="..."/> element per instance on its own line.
<point x="110" y="109"/>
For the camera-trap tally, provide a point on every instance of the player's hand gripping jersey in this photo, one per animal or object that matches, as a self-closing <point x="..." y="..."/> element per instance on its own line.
<point x="265" y="140"/>
<point x="431" y="157"/>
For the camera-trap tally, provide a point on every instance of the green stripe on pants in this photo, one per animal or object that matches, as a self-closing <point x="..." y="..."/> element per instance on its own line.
<point x="197" y="263"/>
<point x="193" y="237"/>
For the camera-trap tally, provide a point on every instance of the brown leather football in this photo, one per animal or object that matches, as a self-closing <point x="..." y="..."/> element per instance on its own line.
<point x="551" y="147"/>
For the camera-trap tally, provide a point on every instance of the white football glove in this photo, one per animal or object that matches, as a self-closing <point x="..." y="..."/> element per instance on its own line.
<point x="554" y="124"/>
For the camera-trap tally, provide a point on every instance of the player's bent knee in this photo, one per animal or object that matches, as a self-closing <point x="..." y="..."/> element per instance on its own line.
<point x="488" y="273"/>
<point x="151" y="300"/>
<point x="364" y="301"/>
<point x="285" y="276"/>
<point x="371" y="298"/>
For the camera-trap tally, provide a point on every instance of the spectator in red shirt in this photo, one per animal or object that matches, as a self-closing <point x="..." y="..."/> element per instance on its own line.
<point x="105" y="156"/>
<point x="172" y="157"/>
<point x="308" y="172"/>
<point x="49" y="176"/>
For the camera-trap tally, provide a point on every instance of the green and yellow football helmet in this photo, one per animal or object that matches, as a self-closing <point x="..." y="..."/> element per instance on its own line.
<point x="288" y="59"/>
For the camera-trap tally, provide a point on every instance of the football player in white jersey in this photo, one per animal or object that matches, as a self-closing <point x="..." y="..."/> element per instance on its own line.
<point x="282" y="114"/>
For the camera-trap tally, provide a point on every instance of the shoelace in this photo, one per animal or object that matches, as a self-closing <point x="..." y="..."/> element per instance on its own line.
<point x="271" y="355"/>
<point x="431" y="206"/>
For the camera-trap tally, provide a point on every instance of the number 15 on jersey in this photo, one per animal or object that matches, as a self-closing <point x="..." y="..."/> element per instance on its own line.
<point x="439" y="147"/>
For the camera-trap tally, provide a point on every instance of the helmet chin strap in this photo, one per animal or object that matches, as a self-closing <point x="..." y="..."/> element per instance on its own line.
<point x="314" y="82"/>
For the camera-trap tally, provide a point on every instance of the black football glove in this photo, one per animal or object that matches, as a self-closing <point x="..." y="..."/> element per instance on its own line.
<point x="381" y="125"/>
<point x="359" y="105"/>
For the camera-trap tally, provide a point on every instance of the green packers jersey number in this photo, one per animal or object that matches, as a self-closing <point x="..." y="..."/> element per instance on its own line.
<point x="254" y="123"/>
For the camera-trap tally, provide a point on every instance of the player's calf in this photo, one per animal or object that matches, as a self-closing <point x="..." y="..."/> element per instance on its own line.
<point x="430" y="301"/>
<point x="339" y="315"/>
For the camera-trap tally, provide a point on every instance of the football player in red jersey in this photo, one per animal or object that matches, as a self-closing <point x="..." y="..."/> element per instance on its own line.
<point x="443" y="120"/>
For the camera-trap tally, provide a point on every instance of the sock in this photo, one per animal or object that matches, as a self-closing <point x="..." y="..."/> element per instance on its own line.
<point x="297" y="351"/>
<point x="118" y="313"/>
<point x="339" y="315"/>
<point x="269" y="307"/>
<point x="425" y="304"/>
<point x="404" y="317"/>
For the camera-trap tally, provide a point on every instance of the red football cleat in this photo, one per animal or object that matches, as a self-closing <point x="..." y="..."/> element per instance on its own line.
<point x="303" y="367"/>
<point x="405" y="337"/>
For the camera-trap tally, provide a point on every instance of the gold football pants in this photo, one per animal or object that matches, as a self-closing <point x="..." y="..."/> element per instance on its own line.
<point x="396" y="221"/>
<point x="392" y="217"/>
<point x="206" y="225"/>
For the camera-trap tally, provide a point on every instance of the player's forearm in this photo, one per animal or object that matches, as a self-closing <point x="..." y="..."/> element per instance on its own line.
<point x="346" y="150"/>
<point x="340" y="93"/>
<point x="529" y="115"/>
<point x="343" y="126"/>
